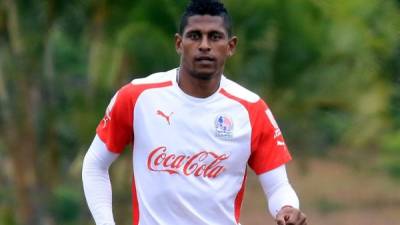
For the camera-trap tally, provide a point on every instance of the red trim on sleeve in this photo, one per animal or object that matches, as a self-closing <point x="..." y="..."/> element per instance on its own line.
<point x="116" y="128"/>
<point x="239" y="199"/>
<point x="268" y="148"/>
<point x="135" y="204"/>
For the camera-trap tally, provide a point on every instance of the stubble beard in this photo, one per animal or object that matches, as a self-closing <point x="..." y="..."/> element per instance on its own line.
<point x="206" y="75"/>
<point x="197" y="73"/>
<point x="201" y="75"/>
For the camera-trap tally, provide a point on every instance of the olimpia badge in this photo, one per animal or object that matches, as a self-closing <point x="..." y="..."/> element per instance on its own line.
<point x="223" y="126"/>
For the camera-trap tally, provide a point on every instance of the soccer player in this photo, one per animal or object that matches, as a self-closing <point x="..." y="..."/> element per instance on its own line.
<point x="193" y="133"/>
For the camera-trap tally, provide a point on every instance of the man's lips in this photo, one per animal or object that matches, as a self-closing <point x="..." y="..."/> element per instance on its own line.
<point x="204" y="58"/>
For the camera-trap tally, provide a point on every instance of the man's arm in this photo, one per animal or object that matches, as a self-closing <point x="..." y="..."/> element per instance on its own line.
<point x="96" y="182"/>
<point x="283" y="202"/>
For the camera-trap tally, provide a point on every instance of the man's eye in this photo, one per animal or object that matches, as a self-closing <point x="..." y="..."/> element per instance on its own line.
<point x="193" y="36"/>
<point x="215" y="37"/>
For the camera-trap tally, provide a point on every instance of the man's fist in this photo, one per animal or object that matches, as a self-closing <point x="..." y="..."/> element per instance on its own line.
<point x="290" y="216"/>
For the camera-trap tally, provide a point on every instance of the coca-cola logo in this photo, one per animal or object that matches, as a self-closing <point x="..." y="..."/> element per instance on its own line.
<point x="202" y="164"/>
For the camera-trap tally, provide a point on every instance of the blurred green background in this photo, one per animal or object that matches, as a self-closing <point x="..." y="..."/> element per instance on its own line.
<point x="330" y="71"/>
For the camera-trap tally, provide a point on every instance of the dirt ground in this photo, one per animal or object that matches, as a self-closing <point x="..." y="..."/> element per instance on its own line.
<point x="332" y="193"/>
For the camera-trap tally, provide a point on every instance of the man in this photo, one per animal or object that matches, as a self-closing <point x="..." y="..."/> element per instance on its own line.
<point x="193" y="133"/>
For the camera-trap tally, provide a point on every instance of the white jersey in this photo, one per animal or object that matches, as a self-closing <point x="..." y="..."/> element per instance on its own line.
<point x="190" y="154"/>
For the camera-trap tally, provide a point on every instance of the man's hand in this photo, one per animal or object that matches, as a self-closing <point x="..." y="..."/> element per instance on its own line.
<point x="290" y="216"/>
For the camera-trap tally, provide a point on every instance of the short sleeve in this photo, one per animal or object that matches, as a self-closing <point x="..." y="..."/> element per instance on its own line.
<point x="116" y="127"/>
<point x="268" y="148"/>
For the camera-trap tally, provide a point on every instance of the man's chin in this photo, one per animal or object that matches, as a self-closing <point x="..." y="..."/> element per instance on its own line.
<point x="204" y="74"/>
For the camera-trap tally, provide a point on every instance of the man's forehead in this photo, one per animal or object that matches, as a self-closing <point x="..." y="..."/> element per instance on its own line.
<point x="205" y="23"/>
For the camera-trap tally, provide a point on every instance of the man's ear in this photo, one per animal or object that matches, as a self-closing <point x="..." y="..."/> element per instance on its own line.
<point x="232" y="45"/>
<point x="178" y="43"/>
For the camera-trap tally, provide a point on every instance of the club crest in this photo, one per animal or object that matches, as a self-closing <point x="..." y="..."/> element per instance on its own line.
<point x="223" y="126"/>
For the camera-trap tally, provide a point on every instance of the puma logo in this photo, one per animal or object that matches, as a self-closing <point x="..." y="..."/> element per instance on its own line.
<point x="167" y="118"/>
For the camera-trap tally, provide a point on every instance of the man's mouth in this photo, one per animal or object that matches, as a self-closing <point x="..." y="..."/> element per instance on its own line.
<point x="205" y="59"/>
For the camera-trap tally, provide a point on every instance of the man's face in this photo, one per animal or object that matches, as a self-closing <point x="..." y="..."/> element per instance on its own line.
<point x="204" y="46"/>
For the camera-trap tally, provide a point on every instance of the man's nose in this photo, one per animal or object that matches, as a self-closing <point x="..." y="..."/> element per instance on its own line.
<point x="204" y="45"/>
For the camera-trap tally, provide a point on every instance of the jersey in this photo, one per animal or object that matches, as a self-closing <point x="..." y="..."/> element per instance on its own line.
<point x="190" y="155"/>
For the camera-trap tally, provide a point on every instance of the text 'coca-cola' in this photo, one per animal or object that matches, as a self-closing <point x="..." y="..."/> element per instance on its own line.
<point x="202" y="164"/>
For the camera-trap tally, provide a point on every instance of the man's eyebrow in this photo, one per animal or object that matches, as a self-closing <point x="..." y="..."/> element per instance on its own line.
<point x="216" y="31"/>
<point x="208" y="31"/>
<point x="193" y="31"/>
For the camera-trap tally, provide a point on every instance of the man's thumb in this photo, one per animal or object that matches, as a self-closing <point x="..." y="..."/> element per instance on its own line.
<point x="280" y="219"/>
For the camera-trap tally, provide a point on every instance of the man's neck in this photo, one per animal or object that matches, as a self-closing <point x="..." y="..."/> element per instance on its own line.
<point x="196" y="87"/>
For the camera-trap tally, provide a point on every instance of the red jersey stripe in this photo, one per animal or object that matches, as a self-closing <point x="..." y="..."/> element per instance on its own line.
<point x="116" y="131"/>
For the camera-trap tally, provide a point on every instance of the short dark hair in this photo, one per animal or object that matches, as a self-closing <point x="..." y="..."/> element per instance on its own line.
<point x="206" y="7"/>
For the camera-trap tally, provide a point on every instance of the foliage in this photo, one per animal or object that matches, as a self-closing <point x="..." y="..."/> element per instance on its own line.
<point x="65" y="205"/>
<point x="390" y="157"/>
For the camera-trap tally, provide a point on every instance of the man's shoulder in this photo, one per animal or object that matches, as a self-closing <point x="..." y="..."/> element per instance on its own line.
<point x="155" y="78"/>
<point x="137" y="86"/>
<point x="236" y="90"/>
